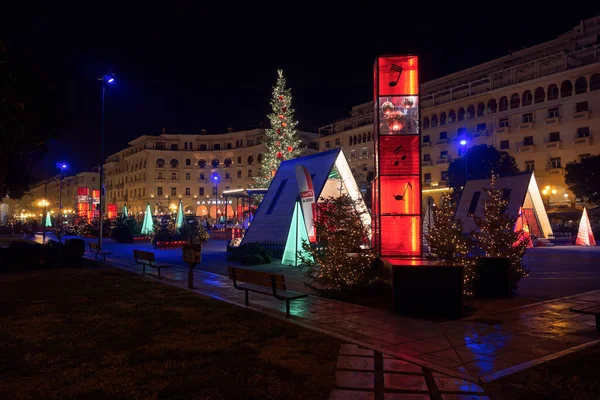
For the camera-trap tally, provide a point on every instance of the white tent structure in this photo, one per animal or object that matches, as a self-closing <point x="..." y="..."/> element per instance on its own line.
<point x="585" y="235"/>
<point x="522" y="191"/>
<point x="331" y="176"/>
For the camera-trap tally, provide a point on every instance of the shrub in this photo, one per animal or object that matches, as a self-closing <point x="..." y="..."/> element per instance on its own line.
<point x="23" y="255"/>
<point x="251" y="254"/>
<point x="122" y="234"/>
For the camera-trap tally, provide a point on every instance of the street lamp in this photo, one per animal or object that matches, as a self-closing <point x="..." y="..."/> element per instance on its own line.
<point x="44" y="204"/>
<point x="107" y="78"/>
<point x="464" y="144"/>
<point x="62" y="167"/>
<point x="216" y="178"/>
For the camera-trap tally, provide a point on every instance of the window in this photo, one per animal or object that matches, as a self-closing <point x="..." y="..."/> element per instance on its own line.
<point x="515" y="101"/>
<point x="174" y="163"/>
<point x="364" y="151"/>
<point x="581" y="106"/>
<point x="174" y="146"/>
<point x="443" y="118"/>
<point x="259" y="158"/>
<point x="503" y="104"/>
<point x="228" y="146"/>
<point x="239" y="174"/>
<point x="443" y="135"/>
<point x="159" y="175"/>
<point x="337" y="141"/>
<point x="504" y="145"/>
<point x="250" y="142"/>
<point x="492" y="106"/>
<point x="215" y="163"/>
<point x="239" y="160"/>
<point x="554" y="136"/>
<point x="481" y="127"/>
<point x="187" y="176"/>
<point x="426" y="157"/>
<point x="250" y="159"/>
<point x="583" y="132"/>
<point x="173" y="176"/>
<point x="249" y="173"/>
<point x="527" y="117"/>
<point x="426" y="139"/>
<point x="217" y="146"/>
<point x="227" y="175"/>
<point x="581" y="85"/>
<point x="554" y="112"/>
<point x="527" y="98"/>
<point x="188" y="161"/>
<point x="425" y="125"/>
<point x="350" y="141"/>
<point x="471" y="112"/>
<point x="461" y="131"/>
<point x="566" y="89"/>
<point x="201" y="176"/>
<point x="528" y="141"/>
<point x="552" y="92"/>
<point x="160" y="146"/>
<point x="427" y="177"/>
<point x="365" y="167"/>
<point x="227" y="162"/>
<point x="555" y="162"/>
<point x="584" y="156"/>
<point x="434" y="120"/>
<point x="159" y="191"/>
<point x="160" y="163"/>
<point x="444" y="155"/>
<point x="451" y="116"/>
<point x="444" y="175"/>
<point x="540" y="95"/>
<point x="327" y="144"/>
<point x="594" y="82"/>
<point x="461" y="114"/>
<point x="185" y="145"/>
<point x="202" y="147"/>
<point x="202" y="163"/>
<point x="503" y="123"/>
<point x="242" y="142"/>
<point x="187" y="191"/>
<point x="480" y="109"/>
<point x="173" y="191"/>
<point x="201" y="191"/>
<point x="474" y="201"/>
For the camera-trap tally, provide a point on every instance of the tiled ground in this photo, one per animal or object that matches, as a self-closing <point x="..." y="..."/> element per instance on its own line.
<point x="364" y="374"/>
<point x="475" y="347"/>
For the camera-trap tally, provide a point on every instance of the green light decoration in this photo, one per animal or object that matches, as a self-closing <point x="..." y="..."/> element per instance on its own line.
<point x="125" y="213"/>
<point x="179" y="220"/>
<point x="296" y="236"/>
<point x="48" y="221"/>
<point x="147" y="226"/>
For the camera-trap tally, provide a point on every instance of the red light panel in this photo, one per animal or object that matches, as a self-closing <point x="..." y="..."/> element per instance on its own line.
<point x="400" y="236"/>
<point x="399" y="155"/>
<point x="400" y="195"/>
<point x="398" y="76"/>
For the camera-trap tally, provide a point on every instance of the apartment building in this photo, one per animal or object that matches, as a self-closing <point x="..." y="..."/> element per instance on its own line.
<point x="540" y="104"/>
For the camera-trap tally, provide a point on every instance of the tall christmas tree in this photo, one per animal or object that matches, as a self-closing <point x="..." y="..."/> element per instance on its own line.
<point x="283" y="142"/>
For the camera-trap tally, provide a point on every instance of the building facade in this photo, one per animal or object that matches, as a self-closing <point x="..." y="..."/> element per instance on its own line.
<point x="162" y="169"/>
<point x="541" y="105"/>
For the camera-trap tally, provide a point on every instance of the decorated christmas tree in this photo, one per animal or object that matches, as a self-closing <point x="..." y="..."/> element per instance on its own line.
<point x="283" y="142"/>
<point x="448" y="241"/>
<point x="497" y="236"/>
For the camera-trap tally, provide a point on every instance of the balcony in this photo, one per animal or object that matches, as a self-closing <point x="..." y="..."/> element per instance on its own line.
<point x="581" y="115"/>
<point x="502" y="130"/>
<point x="425" y="144"/>
<point x="427" y="184"/>
<point x="527" y="148"/>
<point x="552" y="121"/>
<point x="480" y="135"/>
<point x="526" y="126"/>
<point x="582" y="141"/>
<point x="554" y="145"/>
<point x="426" y="163"/>
<point x="442" y="161"/>
<point x="441" y="141"/>
<point x="556" y="171"/>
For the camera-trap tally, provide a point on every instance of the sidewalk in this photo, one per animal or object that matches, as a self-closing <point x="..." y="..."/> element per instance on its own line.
<point x="481" y="348"/>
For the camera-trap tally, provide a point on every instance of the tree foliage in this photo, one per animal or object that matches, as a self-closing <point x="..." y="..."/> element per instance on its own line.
<point x="583" y="178"/>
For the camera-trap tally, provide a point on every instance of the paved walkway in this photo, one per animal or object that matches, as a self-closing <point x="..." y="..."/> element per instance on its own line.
<point x="480" y="348"/>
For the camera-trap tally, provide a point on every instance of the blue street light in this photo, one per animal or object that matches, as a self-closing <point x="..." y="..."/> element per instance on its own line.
<point x="61" y="166"/>
<point x="464" y="143"/>
<point x="216" y="178"/>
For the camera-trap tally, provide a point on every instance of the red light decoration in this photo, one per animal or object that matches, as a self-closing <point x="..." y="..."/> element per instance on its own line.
<point x="281" y="117"/>
<point x="397" y="185"/>
<point x="283" y="124"/>
<point x="290" y="149"/>
<point x="279" y="155"/>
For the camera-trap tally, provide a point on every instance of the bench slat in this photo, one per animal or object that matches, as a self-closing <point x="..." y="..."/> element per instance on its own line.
<point x="264" y="275"/>
<point x="257" y="277"/>
<point x="143" y="255"/>
<point x="284" y="294"/>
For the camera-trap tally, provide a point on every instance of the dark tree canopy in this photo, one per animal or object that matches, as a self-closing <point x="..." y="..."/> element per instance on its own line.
<point x="27" y="121"/>
<point x="481" y="161"/>
<point x="583" y="178"/>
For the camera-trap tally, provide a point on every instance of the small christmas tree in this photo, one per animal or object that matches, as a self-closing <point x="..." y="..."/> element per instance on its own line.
<point x="164" y="229"/>
<point x="343" y="260"/>
<point x="283" y="142"/>
<point x="448" y="241"/>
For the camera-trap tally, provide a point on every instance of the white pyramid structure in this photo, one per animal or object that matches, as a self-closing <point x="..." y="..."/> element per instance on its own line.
<point x="585" y="236"/>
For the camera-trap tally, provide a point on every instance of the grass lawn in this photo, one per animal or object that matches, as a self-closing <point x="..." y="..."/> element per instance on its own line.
<point x="106" y="333"/>
<point x="576" y="376"/>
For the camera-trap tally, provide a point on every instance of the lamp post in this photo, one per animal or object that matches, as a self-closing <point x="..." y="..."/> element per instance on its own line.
<point x="464" y="144"/>
<point x="108" y="78"/>
<point x="547" y="192"/>
<point x="44" y="204"/>
<point x="216" y="178"/>
<point x="62" y="167"/>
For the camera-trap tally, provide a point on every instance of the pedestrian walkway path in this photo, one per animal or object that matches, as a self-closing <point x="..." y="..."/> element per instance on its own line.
<point x="478" y="349"/>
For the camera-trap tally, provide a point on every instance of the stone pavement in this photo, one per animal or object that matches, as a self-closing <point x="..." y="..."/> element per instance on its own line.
<point x="480" y="348"/>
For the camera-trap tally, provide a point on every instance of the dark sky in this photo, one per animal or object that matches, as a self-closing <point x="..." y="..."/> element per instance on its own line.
<point x="186" y="66"/>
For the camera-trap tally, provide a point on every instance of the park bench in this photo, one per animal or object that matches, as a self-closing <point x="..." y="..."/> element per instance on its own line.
<point x="263" y="283"/>
<point x="589" y="310"/>
<point x="147" y="259"/>
<point x="94" y="248"/>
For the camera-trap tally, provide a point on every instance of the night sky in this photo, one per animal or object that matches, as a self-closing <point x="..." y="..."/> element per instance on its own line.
<point x="186" y="66"/>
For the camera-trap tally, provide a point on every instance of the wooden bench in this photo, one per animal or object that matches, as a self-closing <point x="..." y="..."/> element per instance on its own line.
<point x="147" y="259"/>
<point x="264" y="283"/>
<point x="94" y="248"/>
<point x="589" y="310"/>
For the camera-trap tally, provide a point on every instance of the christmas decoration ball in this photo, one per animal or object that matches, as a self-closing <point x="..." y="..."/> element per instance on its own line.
<point x="279" y="155"/>
<point x="273" y="172"/>
<point x="290" y="148"/>
<point x="283" y="124"/>
<point x="387" y="108"/>
<point x="281" y="117"/>
<point x="409" y="102"/>
<point x="278" y="143"/>
<point x="280" y="97"/>
<point x="396" y="121"/>
<point x="284" y="109"/>
<point x="278" y="130"/>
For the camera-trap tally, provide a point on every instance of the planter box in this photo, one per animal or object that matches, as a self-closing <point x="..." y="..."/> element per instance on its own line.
<point x="423" y="288"/>
<point x="492" y="278"/>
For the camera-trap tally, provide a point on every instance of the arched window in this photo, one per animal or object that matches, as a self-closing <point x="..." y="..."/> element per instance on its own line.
<point x="515" y="100"/>
<point x="369" y="136"/>
<point x="443" y="118"/>
<point x="160" y="163"/>
<point x="354" y="141"/>
<point x="527" y="98"/>
<point x="359" y="139"/>
<point x="503" y="103"/>
<point x="434" y="120"/>
<point x="260" y="157"/>
<point x="471" y="111"/>
<point x="202" y="163"/>
<point x="480" y="109"/>
<point x="227" y="162"/>
<point x="174" y="163"/>
<point x="461" y="114"/>
<point x="581" y="85"/>
<point x="451" y="116"/>
<point x="365" y="137"/>
<point x="237" y="143"/>
<point x="540" y="95"/>
<point x="426" y="122"/>
<point x="595" y="82"/>
<point x="250" y="159"/>
<point x="350" y="141"/>
<point x="492" y="106"/>
<point x="566" y="89"/>
<point x="552" y="92"/>
<point x="215" y="162"/>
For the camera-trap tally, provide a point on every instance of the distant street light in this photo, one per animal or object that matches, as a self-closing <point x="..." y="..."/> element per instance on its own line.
<point x="62" y="167"/>
<point x="464" y="144"/>
<point x="216" y="178"/>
